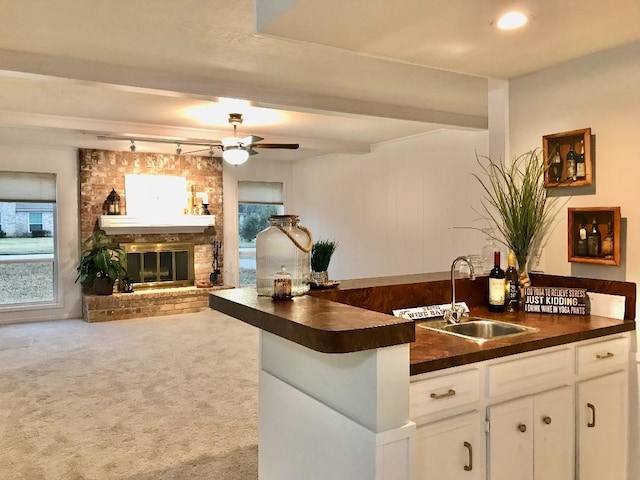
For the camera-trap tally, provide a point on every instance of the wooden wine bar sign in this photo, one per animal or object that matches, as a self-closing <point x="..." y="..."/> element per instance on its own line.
<point x="556" y="300"/>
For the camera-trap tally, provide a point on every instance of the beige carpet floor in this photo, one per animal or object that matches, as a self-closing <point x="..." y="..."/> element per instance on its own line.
<point x="171" y="397"/>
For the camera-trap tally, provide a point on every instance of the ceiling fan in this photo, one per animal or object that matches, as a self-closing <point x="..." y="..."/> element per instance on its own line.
<point x="236" y="150"/>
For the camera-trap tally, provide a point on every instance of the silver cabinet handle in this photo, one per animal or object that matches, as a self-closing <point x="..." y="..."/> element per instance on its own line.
<point x="602" y="357"/>
<point x="522" y="427"/>
<point x="592" y="423"/>
<point x="450" y="393"/>
<point x="546" y="419"/>
<point x="469" y="466"/>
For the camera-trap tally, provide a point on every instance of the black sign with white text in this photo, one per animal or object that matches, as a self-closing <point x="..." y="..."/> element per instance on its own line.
<point x="556" y="300"/>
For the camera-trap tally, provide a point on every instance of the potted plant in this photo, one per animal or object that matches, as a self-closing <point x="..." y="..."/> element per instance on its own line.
<point x="101" y="264"/>
<point x="321" y="253"/>
<point x="516" y="206"/>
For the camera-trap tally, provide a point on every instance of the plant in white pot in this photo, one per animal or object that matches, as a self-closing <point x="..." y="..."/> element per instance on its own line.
<point x="516" y="206"/>
<point x="101" y="264"/>
<point x="321" y="253"/>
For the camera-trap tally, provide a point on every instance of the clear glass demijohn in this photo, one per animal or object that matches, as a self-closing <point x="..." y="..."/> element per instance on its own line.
<point x="286" y="244"/>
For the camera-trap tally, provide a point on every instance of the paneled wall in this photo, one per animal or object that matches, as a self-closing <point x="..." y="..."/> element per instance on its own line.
<point x="396" y="209"/>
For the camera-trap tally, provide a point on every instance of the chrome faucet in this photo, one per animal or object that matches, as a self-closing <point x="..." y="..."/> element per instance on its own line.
<point x="457" y="313"/>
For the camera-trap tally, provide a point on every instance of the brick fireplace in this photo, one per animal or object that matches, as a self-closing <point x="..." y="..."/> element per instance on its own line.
<point x="102" y="170"/>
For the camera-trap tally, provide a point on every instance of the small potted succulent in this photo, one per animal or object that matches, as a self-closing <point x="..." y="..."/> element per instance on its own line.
<point x="321" y="253"/>
<point x="102" y="263"/>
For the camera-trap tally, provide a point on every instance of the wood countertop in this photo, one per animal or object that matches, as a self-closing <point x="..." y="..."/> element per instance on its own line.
<point x="318" y="324"/>
<point x="435" y="351"/>
<point x="351" y="318"/>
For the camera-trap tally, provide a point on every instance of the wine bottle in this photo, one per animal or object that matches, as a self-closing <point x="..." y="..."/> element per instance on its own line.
<point x="581" y="171"/>
<point x="556" y="165"/>
<point x="571" y="163"/>
<point x="607" y="243"/>
<point x="512" y="285"/>
<point x="496" y="285"/>
<point x="594" y="240"/>
<point x="581" y="246"/>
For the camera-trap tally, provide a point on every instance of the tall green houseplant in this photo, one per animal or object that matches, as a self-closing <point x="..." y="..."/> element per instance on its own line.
<point x="101" y="264"/>
<point x="516" y="205"/>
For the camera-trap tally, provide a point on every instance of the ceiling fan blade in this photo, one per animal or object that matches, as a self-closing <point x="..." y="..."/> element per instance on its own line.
<point x="251" y="151"/>
<point x="290" y="146"/>
<point x="250" y="140"/>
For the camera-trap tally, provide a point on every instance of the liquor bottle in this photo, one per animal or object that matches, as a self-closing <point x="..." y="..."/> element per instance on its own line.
<point x="511" y="285"/>
<point x="556" y="165"/>
<point x="594" y="240"/>
<point x="571" y="164"/>
<point x="581" y="246"/>
<point x="581" y="171"/>
<point x="496" y="285"/>
<point x="607" y="243"/>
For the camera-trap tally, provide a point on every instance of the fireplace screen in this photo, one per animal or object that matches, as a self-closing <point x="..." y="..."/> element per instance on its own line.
<point x="160" y="265"/>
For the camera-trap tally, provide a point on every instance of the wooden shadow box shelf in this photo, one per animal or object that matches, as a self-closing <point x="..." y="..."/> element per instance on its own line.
<point x="584" y="216"/>
<point x="565" y="142"/>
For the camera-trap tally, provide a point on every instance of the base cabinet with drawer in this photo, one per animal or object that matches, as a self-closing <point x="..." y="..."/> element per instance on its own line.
<point x="450" y="449"/>
<point x="552" y="414"/>
<point x="532" y="437"/>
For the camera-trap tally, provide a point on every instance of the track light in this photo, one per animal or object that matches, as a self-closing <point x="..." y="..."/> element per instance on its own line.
<point x="133" y="146"/>
<point x="178" y="149"/>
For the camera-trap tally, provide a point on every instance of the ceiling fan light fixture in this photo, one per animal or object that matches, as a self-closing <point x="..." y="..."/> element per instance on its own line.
<point x="512" y="21"/>
<point x="235" y="156"/>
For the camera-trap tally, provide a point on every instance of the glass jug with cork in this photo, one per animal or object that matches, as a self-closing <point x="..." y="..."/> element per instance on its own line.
<point x="285" y="243"/>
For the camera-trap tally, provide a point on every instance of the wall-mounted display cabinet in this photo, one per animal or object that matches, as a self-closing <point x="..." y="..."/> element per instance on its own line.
<point x="594" y="235"/>
<point x="568" y="159"/>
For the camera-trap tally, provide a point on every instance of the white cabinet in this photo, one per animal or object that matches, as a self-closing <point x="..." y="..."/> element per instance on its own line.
<point x="602" y="427"/>
<point x="531" y="437"/>
<point x="450" y="449"/>
<point x="553" y="440"/>
<point x="553" y="414"/>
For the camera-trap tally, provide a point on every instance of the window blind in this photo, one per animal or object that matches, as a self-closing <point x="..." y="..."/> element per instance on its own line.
<point x="269" y="193"/>
<point x="27" y="187"/>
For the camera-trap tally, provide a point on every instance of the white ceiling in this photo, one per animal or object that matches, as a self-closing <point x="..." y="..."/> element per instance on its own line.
<point x="331" y="75"/>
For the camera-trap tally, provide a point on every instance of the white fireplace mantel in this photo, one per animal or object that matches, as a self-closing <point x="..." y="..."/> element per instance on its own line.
<point x="123" y="224"/>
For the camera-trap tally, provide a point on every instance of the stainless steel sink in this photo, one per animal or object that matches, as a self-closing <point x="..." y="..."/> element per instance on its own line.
<point x="480" y="330"/>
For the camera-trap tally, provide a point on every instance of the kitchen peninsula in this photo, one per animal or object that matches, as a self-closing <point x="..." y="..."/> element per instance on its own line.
<point x="342" y="381"/>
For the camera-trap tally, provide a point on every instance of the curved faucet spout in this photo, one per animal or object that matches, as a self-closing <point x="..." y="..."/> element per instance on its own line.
<point x="453" y="315"/>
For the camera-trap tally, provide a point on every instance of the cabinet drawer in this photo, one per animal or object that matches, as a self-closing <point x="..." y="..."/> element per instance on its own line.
<point x="602" y="356"/>
<point x="441" y="393"/>
<point x="535" y="371"/>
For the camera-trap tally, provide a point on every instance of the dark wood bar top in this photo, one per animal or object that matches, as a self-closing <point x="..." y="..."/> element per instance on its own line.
<point x="435" y="351"/>
<point x="321" y="325"/>
<point x="357" y="316"/>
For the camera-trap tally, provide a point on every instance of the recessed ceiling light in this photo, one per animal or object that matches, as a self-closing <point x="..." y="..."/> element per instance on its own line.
<point x="512" y="20"/>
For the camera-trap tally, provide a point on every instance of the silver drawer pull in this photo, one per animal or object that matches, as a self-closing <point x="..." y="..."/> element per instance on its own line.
<point x="602" y="357"/>
<point x="438" y="396"/>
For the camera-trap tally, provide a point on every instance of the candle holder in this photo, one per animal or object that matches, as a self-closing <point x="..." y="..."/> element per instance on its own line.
<point x="205" y="209"/>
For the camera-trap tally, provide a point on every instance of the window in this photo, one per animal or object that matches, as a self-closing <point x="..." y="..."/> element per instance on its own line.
<point x="28" y="263"/>
<point x="35" y="221"/>
<point x="256" y="202"/>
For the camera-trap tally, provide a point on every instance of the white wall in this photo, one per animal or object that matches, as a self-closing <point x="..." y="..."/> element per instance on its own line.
<point x="600" y="91"/>
<point x="63" y="162"/>
<point x="392" y="210"/>
<point x="253" y="170"/>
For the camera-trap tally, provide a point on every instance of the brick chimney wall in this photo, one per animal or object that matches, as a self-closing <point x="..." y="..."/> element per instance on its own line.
<point x="102" y="170"/>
